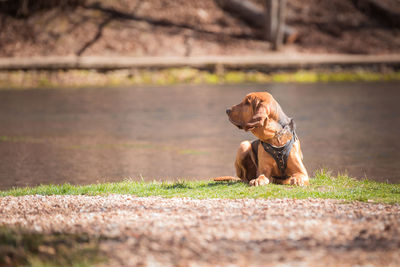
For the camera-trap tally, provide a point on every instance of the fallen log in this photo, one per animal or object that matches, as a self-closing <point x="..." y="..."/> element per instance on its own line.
<point x="277" y="61"/>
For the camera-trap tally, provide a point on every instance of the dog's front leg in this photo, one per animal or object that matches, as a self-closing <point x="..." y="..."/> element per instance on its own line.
<point x="262" y="179"/>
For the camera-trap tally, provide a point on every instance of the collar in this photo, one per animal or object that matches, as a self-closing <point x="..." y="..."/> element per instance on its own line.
<point x="288" y="128"/>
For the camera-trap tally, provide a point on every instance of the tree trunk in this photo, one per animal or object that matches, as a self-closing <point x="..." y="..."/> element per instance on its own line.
<point x="275" y="22"/>
<point x="257" y="17"/>
<point x="24" y="10"/>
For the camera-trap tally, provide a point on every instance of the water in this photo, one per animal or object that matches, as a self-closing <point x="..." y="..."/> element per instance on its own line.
<point x="182" y="132"/>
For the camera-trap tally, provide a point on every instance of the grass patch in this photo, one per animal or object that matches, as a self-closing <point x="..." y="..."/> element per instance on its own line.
<point x="323" y="185"/>
<point x="18" y="139"/>
<point x="172" y="76"/>
<point x="19" y="247"/>
<point x="192" y="152"/>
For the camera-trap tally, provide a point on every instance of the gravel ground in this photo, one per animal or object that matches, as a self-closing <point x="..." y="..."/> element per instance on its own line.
<point x="155" y="231"/>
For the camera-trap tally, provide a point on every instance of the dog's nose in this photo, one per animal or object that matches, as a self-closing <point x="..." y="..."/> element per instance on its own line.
<point x="228" y="111"/>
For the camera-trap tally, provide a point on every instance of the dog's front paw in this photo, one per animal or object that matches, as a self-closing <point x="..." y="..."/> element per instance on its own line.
<point x="297" y="181"/>
<point x="261" y="180"/>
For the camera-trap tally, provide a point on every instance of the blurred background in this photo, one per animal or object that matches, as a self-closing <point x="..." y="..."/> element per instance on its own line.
<point x="95" y="91"/>
<point x="187" y="28"/>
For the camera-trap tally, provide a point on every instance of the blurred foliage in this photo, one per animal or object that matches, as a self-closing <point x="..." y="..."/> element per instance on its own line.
<point x="20" y="247"/>
<point x="25" y="8"/>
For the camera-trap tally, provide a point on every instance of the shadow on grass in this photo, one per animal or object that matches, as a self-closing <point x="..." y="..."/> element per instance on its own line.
<point x="186" y="185"/>
<point x="178" y="185"/>
<point x="218" y="183"/>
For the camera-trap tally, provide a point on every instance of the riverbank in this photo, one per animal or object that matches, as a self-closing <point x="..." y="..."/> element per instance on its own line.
<point x="185" y="42"/>
<point x="19" y="79"/>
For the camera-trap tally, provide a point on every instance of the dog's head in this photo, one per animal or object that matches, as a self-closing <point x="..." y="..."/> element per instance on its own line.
<point x="258" y="113"/>
<point x="250" y="113"/>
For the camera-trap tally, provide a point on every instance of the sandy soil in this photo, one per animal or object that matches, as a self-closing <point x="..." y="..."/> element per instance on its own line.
<point x="187" y="232"/>
<point x="188" y="28"/>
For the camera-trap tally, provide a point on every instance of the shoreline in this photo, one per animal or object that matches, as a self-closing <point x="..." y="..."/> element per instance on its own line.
<point x="74" y="79"/>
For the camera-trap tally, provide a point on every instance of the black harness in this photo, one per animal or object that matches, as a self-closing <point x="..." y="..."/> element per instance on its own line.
<point x="280" y="154"/>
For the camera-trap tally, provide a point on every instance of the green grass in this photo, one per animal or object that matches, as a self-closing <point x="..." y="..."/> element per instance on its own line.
<point x="20" y="247"/>
<point x="172" y="76"/>
<point x="323" y="185"/>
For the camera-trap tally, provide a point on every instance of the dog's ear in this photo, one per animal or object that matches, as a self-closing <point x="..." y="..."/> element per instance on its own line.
<point x="259" y="115"/>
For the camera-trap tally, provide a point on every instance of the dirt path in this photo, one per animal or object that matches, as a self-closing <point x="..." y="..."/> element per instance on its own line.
<point x="187" y="232"/>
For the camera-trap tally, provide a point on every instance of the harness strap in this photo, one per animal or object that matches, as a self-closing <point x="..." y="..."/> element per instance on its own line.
<point x="280" y="154"/>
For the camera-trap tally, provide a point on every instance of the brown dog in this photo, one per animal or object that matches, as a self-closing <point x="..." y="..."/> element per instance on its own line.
<point x="276" y="157"/>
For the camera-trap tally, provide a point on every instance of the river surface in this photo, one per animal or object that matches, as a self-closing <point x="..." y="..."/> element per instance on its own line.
<point x="93" y="135"/>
